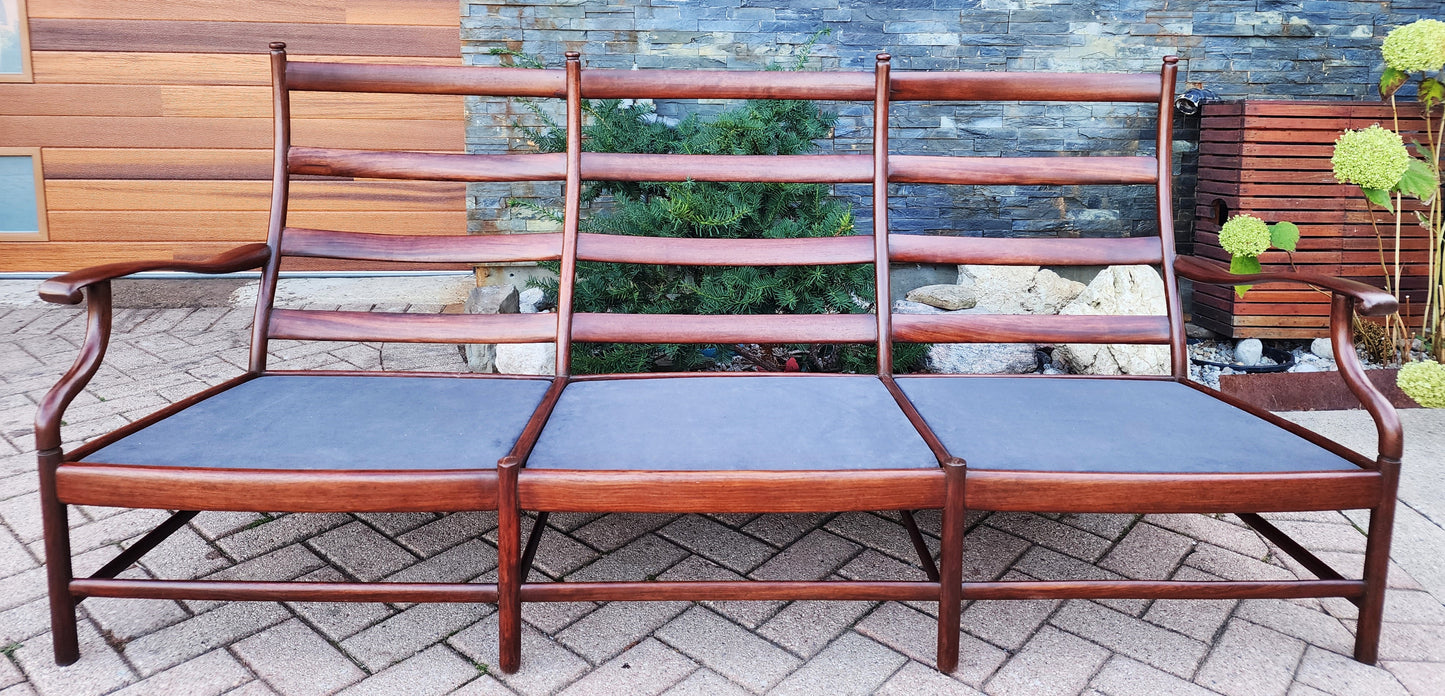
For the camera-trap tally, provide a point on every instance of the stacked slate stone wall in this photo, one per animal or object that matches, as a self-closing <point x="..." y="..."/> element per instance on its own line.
<point x="1316" y="49"/>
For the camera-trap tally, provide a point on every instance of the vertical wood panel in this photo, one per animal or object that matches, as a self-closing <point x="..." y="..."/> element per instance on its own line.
<point x="157" y="141"/>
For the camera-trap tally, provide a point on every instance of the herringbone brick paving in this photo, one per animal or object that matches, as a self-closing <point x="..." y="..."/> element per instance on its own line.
<point x="1105" y="648"/>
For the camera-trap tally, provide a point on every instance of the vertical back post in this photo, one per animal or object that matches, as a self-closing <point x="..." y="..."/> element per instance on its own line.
<point x="883" y="305"/>
<point x="280" y="183"/>
<point x="1164" y="191"/>
<point x="572" y="203"/>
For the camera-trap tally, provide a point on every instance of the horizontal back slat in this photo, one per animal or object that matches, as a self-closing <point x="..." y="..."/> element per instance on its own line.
<point x="361" y="246"/>
<point x="425" y="79"/>
<point x="1029" y="328"/>
<point x="315" y="325"/>
<point x="726" y="84"/>
<point x="822" y="169"/>
<point x="1023" y="171"/>
<point x="1012" y="86"/>
<point x="429" y="166"/>
<point x="1014" y="251"/>
<point x="724" y="328"/>
<point x="679" y="251"/>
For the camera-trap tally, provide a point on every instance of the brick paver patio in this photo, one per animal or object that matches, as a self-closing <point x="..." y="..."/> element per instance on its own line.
<point x="1105" y="648"/>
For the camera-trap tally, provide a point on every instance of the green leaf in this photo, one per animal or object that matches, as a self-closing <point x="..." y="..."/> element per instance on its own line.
<point x="1244" y="265"/>
<point x="1419" y="181"/>
<point x="1432" y="92"/>
<point x="1283" y="235"/>
<point x="1379" y="197"/>
<point x="1391" y="81"/>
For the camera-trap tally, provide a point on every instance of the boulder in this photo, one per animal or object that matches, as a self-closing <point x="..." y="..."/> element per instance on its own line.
<point x="492" y="299"/>
<point x="529" y="299"/>
<point x="983" y="358"/>
<point x="1323" y="348"/>
<point x="1249" y="351"/>
<point x="1118" y="290"/>
<point x="949" y="297"/>
<point x="527" y="358"/>
<point x="906" y="307"/>
<point x="1018" y="289"/>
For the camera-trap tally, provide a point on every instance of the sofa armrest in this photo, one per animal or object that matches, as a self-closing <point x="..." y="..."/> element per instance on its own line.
<point x="67" y="288"/>
<point x="1371" y="301"/>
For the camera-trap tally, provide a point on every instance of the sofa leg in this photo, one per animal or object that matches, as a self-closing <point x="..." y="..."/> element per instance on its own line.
<point x="509" y="561"/>
<point x="56" y="522"/>
<point x="950" y="567"/>
<point x="1377" y="566"/>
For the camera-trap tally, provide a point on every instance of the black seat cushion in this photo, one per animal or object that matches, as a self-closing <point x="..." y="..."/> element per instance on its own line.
<point x="1118" y="425"/>
<point x="729" y="423"/>
<point x="340" y="422"/>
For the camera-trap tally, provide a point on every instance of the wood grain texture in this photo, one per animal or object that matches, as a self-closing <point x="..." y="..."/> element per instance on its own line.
<point x="289" y="491"/>
<point x="68" y="256"/>
<point x="243" y="133"/>
<point x="559" y="490"/>
<point x="262" y="591"/>
<point x="727" y="328"/>
<point x="471" y="249"/>
<point x="1025" y="252"/>
<point x="730" y="590"/>
<point x="1026" y="328"/>
<point x="426" y="165"/>
<point x="1162" y="589"/>
<point x="498" y="82"/>
<point x="680" y="251"/>
<point x="822" y="169"/>
<point x="725" y="84"/>
<point x="1022" y="171"/>
<point x="1010" y="86"/>
<point x="163" y="36"/>
<point x="316" y="325"/>
<point x="211" y="225"/>
<point x="99" y="194"/>
<point x="123" y="68"/>
<point x="1169" y="493"/>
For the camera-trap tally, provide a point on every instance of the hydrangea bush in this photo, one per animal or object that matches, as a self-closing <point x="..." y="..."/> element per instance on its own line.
<point x="1372" y="158"/>
<point x="1423" y="381"/>
<point x="1245" y="237"/>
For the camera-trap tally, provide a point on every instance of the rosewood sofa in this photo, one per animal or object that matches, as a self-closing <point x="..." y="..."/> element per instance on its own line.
<point x="274" y="440"/>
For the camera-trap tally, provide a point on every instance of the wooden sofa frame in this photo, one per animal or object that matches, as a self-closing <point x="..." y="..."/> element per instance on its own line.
<point x="99" y="474"/>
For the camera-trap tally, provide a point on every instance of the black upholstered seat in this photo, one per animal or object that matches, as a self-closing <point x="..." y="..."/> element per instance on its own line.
<point x="1116" y="425"/>
<point x="340" y="422"/>
<point x="730" y="423"/>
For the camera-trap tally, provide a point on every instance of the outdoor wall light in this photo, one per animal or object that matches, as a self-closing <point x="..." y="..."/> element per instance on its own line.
<point x="1191" y="101"/>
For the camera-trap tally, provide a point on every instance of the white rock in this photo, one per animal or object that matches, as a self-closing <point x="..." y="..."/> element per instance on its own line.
<point x="1018" y="289"/>
<point x="529" y="299"/>
<point x="1323" y="348"/>
<point x="906" y="307"/>
<point x="1248" y="351"/>
<point x="948" y="297"/>
<point x="526" y="358"/>
<point x="1118" y="290"/>
<point x="982" y="358"/>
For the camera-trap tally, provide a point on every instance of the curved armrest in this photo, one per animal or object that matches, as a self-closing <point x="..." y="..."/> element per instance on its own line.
<point x="66" y="288"/>
<point x="1372" y="300"/>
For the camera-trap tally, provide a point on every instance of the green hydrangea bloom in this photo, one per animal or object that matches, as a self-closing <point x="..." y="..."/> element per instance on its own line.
<point x="1424" y="382"/>
<point x="1416" y="47"/>
<point x="1374" y="158"/>
<point x="1244" y="235"/>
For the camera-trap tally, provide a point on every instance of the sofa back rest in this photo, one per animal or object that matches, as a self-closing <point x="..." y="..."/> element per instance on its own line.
<point x="1152" y="171"/>
<point x="337" y="244"/>
<point x="573" y="166"/>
